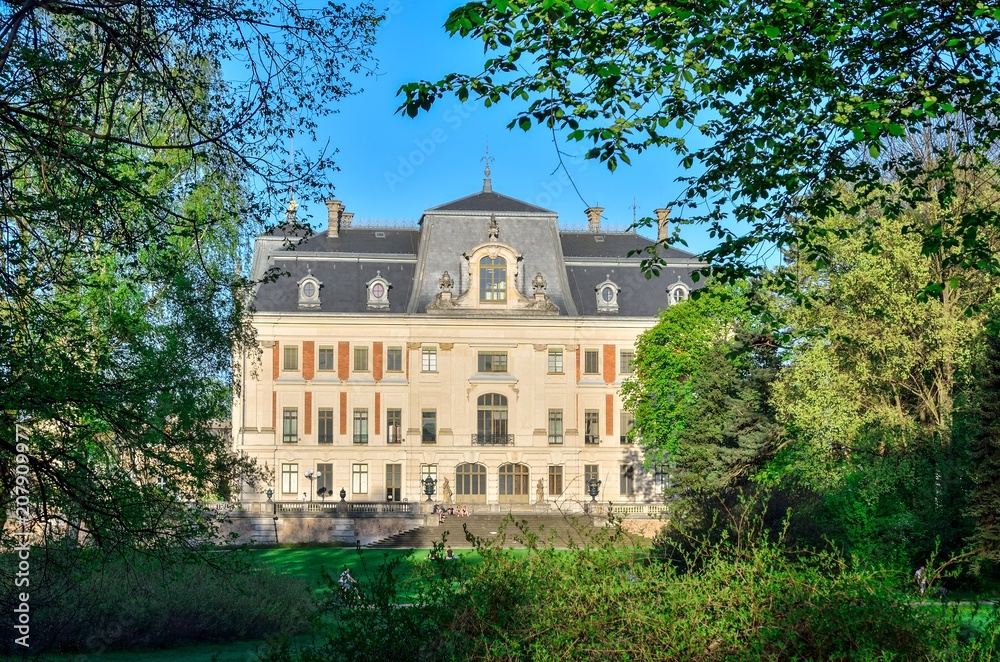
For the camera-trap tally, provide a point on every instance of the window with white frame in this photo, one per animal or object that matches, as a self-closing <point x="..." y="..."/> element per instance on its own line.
<point x="289" y="478"/>
<point x="591" y="362"/>
<point x="394" y="359"/>
<point x="626" y="361"/>
<point x="289" y="425"/>
<point x="361" y="426"/>
<point x="359" y="479"/>
<point x="555" y="361"/>
<point x="428" y="359"/>
<point x="555" y="426"/>
<point x="326" y="355"/>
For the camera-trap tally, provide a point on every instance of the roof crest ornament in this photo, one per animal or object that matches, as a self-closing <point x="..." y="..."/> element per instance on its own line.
<point x="487" y="184"/>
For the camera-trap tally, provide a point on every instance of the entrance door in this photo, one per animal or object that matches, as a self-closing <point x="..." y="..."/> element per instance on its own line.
<point x="393" y="482"/>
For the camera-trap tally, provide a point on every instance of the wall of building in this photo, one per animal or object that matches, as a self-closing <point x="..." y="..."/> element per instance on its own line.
<point x="452" y="391"/>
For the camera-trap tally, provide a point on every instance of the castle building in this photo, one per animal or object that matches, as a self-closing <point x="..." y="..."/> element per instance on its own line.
<point x="484" y="348"/>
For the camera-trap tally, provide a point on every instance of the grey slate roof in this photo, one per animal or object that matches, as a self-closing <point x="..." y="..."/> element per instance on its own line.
<point x="584" y="244"/>
<point x="488" y="201"/>
<point x="343" y="287"/>
<point x="638" y="297"/>
<point x="413" y="259"/>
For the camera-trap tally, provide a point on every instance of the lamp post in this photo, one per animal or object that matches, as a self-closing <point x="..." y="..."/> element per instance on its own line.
<point x="429" y="484"/>
<point x="274" y="506"/>
<point x="310" y="475"/>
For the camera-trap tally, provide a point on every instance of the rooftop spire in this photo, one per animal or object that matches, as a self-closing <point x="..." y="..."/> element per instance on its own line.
<point x="487" y="184"/>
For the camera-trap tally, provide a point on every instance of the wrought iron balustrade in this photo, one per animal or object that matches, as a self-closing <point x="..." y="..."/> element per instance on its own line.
<point x="492" y="440"/>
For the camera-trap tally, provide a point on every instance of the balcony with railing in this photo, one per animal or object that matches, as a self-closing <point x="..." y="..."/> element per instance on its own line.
<point x="492" y="440"/>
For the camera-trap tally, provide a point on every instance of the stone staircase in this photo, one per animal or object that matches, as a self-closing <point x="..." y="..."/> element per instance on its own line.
<point x="262" y="532"/>
<point x="557" y="529"/>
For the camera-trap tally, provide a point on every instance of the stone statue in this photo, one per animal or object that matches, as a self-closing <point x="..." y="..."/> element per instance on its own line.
<point x="446" y="492"/>
<point x="540" y="491"/>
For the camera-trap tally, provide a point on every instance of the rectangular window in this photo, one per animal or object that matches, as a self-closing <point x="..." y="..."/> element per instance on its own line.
<point x="291" y="358"/>
<point x="492" y="361"/>
<point x="289" y="425"/>
<point x="429" y="360"/>
<point x="361" y="359"/>
<point x="359" y="479"/>
<point x="325" y="359"/>
<point x="361" y="426"/>
<point x="555" y="426"/>
<point x="626" y="359"/>
<point x="324" y="480"/>
<point x="393" y="482"/>
<point x="428" y="426"/>
<point x="661" y="478"/>
<point x="591" y="362"/>
<point x="394" y="425"/>
<point x="628" y="422"/>
<point x="556" y="361"/>
<point x="555" y="480"/>
<point x="627" y="487"/>
<point x="592" y="426"/>
<point x="394" y="359"/>
<point x="325" y="425"/>
<point x="289" y="479"/>
<point x="591" y="472"/>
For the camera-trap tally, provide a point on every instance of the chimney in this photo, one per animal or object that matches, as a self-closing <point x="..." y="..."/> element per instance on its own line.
<point x="594" y="219"/>
<point x="333" y="210"/>
<point x="662" y="227"/>
<point x="346" y="218"/>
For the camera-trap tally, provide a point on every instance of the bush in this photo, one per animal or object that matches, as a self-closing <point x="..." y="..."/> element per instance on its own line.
<point x="94" y="606"/>
<point x="740" y="596"/>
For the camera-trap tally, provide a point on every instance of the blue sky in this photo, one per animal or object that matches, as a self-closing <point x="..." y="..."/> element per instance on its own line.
<point x="394" y="167"/>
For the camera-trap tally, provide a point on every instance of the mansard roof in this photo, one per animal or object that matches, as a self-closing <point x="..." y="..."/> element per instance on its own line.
<point x="487" y="202"/>
<point x="413" y="259"/>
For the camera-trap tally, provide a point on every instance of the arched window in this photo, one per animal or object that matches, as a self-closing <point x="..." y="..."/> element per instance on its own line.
<point x="470" y="483"/>
<point x="493" y="279"/>
<point x="491" y="420"/>
<point x="678" y="293"/>
<point x="514" y="483"/>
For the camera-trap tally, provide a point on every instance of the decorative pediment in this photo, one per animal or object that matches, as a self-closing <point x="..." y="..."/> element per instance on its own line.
<point x="607" y="296"/>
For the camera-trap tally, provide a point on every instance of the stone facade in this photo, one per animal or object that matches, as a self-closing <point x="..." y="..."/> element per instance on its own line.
<point x="485" y="346"/>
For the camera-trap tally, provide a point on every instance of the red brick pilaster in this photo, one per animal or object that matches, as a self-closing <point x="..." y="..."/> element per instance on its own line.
<point x="377" y="361"/>
<point x="274" y="410"/>
<point x="308" y="361"/>
<point x="609" y="364"/>
<point x="579" y="351"/>
<point x="378" y="417"/>
<point x="343" y="412"/>
<point x="609" y="407"/>
<point x="343" y="361"/>
<point x="307" y="414"/>
<point x="275" y="357"/>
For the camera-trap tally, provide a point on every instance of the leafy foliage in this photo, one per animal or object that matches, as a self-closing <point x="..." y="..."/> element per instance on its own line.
<point x="130" y="169"/>
<point x="770" y="108"/>
<point x="700" y="391"/>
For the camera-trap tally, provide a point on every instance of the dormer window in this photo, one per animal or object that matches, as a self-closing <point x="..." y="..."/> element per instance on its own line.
<point x="378" y="292"/>
<point x="607" y="296"/>
<point x="677" y="293"/>
<point x="493" y="279"/>
<point x="309" y="291"/>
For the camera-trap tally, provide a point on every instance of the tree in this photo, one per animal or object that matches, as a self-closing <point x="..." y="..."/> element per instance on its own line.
<point x="138" y="145"/>
<point x="771" y="108"/>
<point x="700" y="393"/>
<point x="876" y="388"/>
<point x="984" y="507"/>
